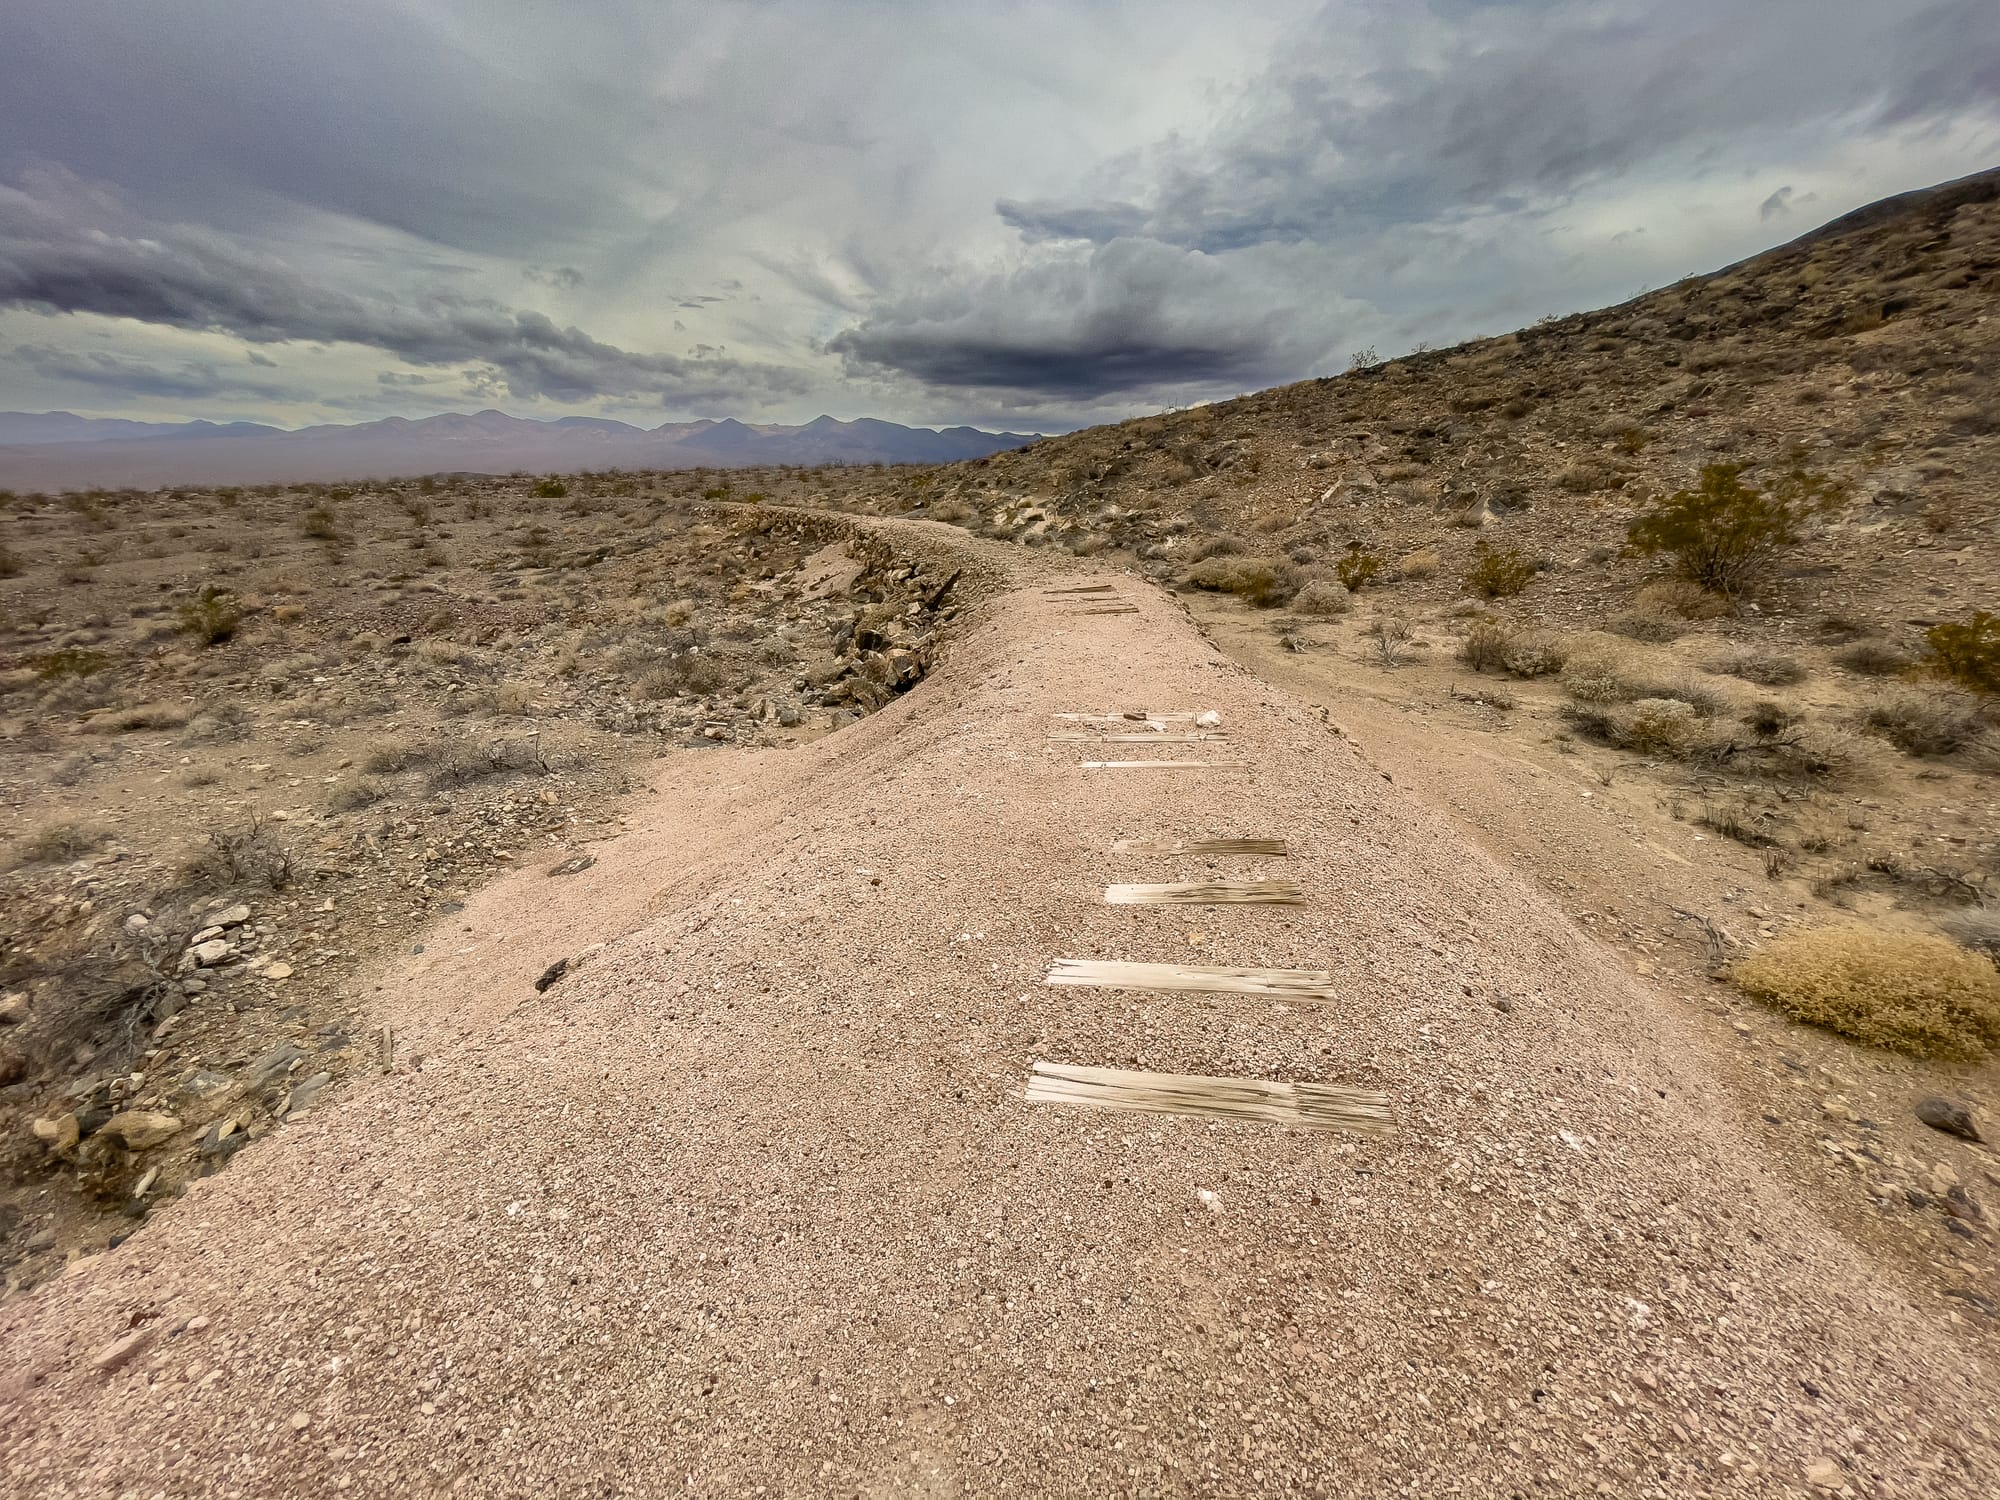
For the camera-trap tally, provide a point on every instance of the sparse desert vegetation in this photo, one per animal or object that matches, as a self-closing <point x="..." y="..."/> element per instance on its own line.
<point x="330" y="730"/>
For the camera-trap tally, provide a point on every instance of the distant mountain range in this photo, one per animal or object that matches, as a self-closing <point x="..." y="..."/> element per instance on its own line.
<point x="60" y="450"/>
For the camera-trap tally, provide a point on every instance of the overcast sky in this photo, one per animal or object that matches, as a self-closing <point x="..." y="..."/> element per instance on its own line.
<point x="1029" y="215"/>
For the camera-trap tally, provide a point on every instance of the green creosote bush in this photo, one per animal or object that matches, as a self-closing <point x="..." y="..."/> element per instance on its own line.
<point x="1357" y="569"/>
<point x="1725" y="532"/>
<point x="1968" y="652"/>
<point x="211" y="617"/>
<point x="1500" y="572"/>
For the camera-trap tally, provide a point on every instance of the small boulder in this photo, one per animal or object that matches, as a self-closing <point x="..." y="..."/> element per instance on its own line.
<point x="141" y="1129"/>
<point x="122" y="1351"/>
<point x="1949" y="1116"/>
<point x="207" y="955"/>
<point x="235" y="916"/>
<point x="14" y="1008"/>
<point x="58" y="1132"/>
<point x="1209" y="719"/>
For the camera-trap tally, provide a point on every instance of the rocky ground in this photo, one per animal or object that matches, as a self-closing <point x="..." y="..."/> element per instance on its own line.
<point x="756" y="1199"/>
<point x="251" y="740"/>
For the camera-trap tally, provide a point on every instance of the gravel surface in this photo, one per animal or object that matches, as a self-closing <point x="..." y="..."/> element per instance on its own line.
<point x="749" y="1202"/>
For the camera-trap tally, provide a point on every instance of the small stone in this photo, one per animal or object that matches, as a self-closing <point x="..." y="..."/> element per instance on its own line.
<point x="551" y="974"/>
<point x="235" y="916"/>
<point x="1824" y="1474"/>
<point x="58" y="1132"/>
<point x="212" y="952"/>
<point x="137" y="923"/>
<point x="1209" y="719"/>
<point x="120" y="1352"/>
<point x="277" y="971"/>
<point x="14" y="1008"/>
<point x="1960" y="1205"/>
<point x="576" y="864"/>
<point x="305" y="1095"/>
<point x="141" y="1129"/>
<point x="299" y="1420"/>
<point x="1949" y="1116"/>
<point x="1210" y="1201"/>
<point x="205" y="935"/>
<point x="207" y="1084"/>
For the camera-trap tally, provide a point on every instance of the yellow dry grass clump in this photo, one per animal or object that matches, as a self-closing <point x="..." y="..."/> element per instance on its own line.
<point x="1907" y="992"/>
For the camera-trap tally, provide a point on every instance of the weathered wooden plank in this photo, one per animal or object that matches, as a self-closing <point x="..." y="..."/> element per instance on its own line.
<point x="1207" y="893"/>
<point x="1156" y="737"/>
<point x="1081" y="588"/>
<point x="1166" y="765"/>
<point x="1113" y="609"/>
<point x="1133" y="716"/>
<point x="1274" y="847"/>
<point x="1307" y="1106"/>
<point x="1115" y="974"/>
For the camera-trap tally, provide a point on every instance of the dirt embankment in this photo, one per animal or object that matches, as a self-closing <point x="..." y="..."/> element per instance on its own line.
<point x="753" y="1199"/>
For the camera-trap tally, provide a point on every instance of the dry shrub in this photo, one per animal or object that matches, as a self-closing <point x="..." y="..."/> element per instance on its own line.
<point x="514" y="698"/>
<point x="1357" y="568"/>
<point x="1646" y="625"/>
<point x="1930" y="720"/>
<point x="1765" y="668"/>
<point x="387" y="757"/>
<point x="462" y="765"/>
<point x="1536" y="653"/>
<point x="1485" y="646"/>
<point x="145" y="716"/>
<point x="1500" y="572"/>
<point x="1603" y="670"/>
<point x="1677" y="596"/>
<point x="1910" y="993"/>
<point x="1266" y="582"/>
<point x="1322" y="599"/>
<point x="1418" y="565"/>
<point x="1875" y="659"/>
<point x="59" y="842"/>
<point x="1660" y="726"/>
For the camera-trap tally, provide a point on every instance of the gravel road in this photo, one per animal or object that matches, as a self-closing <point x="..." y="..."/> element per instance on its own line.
<point x="750" y="1202"/>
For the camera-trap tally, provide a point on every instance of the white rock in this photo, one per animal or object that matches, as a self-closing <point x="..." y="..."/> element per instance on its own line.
<point x="1209" y="720"/>
<point x="212" y="952"/>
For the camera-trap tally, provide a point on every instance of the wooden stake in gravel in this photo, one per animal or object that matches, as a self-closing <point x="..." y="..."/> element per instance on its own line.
<point x="1113" y="974"/>
<point x="1307" y="1106"/>
<point x="1207" y="893"/>
<point x="1273" y="847"/>
<point x="1166" y="765"/>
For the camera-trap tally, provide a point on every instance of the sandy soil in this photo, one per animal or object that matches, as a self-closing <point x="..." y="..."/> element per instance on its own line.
<point x="751" y="1202"/>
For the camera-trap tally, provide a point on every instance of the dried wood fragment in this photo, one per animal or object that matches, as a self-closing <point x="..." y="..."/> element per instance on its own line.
<point x="1207" y="893"/>
<point x="1081" y="588"/>
<point x="1166" y="765"/>
<point x="1116" y="974"/>
<point x="1132" y="716"/>
<point x="1114" y="609"/>
<point x="1274" y="847"/>
<point x="1306" y="1106"/>
<point x="1157" y="737"/>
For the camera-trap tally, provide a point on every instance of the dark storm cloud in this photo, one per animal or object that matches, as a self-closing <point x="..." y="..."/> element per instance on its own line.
<point x="1517" y="106"/>
<point x="65" y="248"/>
<point x="1413" y="156"/>
<point x="1131" y="316"/>
<point x="369" y="108"/>
<point x="104" y="371"/>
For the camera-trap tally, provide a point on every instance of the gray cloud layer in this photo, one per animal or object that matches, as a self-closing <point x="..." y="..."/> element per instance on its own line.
<point x="63" y="250"/>
<point x="1021" y="214"/>
<point x="1388" y="138"/>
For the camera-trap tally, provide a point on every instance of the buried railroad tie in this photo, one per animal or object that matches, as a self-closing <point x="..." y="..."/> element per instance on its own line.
<point x="1116" y="974"/>
<point x="1156" y="737"/>
<point x="1274" y="847"/>
<point x="1208" y="893"/>
<point x="1134" y="716"/>
<point x="1165" y="765"/>
<point x="1308" y="1106"/>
